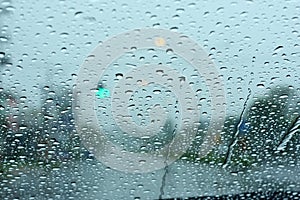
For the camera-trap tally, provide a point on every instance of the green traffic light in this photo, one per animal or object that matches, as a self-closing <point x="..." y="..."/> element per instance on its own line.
<point x="102" y="93"/>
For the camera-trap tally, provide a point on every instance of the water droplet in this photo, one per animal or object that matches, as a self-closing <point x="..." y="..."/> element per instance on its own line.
<point x="260" y="85"/>
<point x="277" y="49"/>
<point x="284" y="96"/>
<point x="78" y="14"/>
<point x="2" y="55"/>
<point x="119" y="76"/>
<point x="2" y="107"/>
<point x="156" y="91"/>
<point x="64" y="35"/>
<point x="3" y="39"/>
<point x="23" y="98"/>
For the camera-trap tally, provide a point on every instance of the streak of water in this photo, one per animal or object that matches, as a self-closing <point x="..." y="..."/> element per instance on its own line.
<point x="289" y="134"/>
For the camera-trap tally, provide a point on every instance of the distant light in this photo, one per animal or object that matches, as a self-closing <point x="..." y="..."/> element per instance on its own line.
<point x="102" y="93"/>
<point x="160" y="42"/>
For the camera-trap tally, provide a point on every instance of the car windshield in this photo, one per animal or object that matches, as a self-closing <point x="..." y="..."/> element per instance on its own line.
<point x="149" y="99"/>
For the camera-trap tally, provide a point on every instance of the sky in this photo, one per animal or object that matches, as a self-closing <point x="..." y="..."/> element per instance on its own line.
<point x="253" y="44"/>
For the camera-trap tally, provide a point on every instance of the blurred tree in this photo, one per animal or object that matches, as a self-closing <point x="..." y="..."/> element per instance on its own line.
<point x="265" y="124"/>
<point x="4" y="35"/>
<point x="58" y="122"/>
<point x="9" y="124"/>
<point x="5" y="96"/>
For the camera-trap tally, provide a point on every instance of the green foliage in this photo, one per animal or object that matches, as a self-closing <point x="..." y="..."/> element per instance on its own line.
<point x="268" y="117"/>
<point x="33" y="146"/>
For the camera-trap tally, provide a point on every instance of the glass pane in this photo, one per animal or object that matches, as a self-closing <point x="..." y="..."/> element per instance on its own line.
<point x="149" y="99"/>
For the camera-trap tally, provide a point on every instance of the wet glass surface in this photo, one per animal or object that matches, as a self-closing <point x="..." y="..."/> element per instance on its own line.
<point x="149" y="99"/>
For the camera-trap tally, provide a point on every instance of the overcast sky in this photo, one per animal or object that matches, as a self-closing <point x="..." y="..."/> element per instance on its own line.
<point x="50" y="39"/>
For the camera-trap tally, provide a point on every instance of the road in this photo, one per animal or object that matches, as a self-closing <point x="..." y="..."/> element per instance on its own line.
<point x="92" y="180"/>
